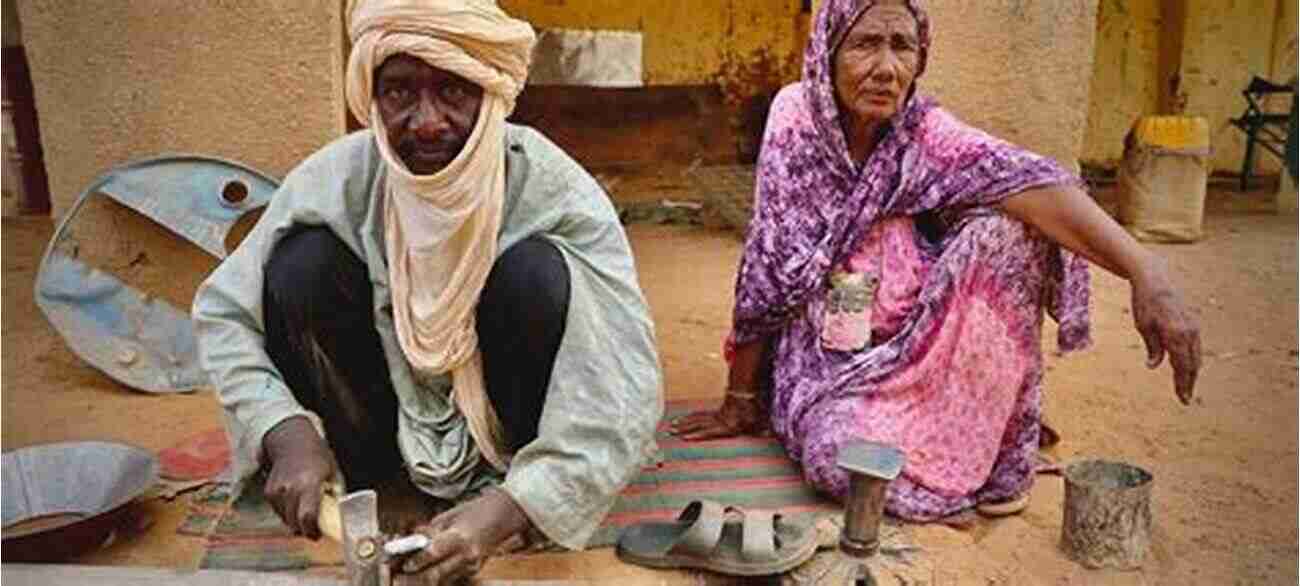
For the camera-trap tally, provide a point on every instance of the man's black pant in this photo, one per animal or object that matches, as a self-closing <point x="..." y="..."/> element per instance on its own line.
<point x="320" y="333"/>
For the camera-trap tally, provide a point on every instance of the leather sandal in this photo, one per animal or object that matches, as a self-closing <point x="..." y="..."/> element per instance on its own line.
<point x="727" y="540"/>
<point x="1012" y="506"/>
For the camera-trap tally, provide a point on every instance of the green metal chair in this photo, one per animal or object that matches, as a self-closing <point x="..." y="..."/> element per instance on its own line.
<point x="1265" y="129"/>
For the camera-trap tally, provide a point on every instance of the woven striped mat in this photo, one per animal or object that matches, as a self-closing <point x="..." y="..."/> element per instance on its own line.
<point x="749" y="472"/>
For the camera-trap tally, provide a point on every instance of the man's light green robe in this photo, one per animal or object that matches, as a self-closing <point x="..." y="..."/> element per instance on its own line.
<point x="605" y="395"/>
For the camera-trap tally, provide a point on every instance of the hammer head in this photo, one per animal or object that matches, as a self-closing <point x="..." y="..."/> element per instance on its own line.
<point x="362" y="553"/>
<point x="871" y="459"/>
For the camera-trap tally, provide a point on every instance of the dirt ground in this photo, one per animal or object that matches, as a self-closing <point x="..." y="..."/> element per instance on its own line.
<point x="1225" y="468"/>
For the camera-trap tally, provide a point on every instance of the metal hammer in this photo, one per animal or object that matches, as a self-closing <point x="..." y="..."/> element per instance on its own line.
<point x="354" y="522"/>
<point x="871" y="466"/>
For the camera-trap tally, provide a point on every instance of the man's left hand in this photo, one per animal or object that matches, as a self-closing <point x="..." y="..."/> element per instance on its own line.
<point x="462" y="539"/>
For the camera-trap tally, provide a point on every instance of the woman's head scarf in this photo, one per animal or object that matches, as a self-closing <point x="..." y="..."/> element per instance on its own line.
<point x="814" y="204"/>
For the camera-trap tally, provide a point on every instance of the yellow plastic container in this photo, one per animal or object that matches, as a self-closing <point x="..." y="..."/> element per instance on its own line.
<point x="1173" y="132"/>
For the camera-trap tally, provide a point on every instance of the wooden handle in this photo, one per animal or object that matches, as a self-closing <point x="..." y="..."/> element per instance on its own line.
<point x="329" y="519"/>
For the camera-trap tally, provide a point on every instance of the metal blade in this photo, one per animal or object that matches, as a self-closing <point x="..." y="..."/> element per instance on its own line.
<point x="360" y="515"/>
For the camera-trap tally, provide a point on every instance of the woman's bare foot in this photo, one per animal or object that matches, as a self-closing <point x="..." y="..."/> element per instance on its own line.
<point x="1005" y="508"/>
<point x="1047" y="437"/>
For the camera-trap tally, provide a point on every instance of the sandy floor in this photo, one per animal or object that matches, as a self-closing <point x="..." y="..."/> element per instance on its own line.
<point x="1226" y="468"/>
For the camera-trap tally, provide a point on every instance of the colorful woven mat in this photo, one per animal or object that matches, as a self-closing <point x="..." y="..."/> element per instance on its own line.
<point x="750" y="472"/>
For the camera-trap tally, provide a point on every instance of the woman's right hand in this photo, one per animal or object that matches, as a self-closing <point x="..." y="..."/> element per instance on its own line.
<point x="736" y="416"/>
<point x="301" y="464"/>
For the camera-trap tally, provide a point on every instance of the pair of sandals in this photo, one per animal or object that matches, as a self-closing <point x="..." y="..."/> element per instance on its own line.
<point x="724" y="539"/>
<point x="730" y="540"/>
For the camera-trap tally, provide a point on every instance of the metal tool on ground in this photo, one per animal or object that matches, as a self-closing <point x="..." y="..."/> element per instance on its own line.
<point x="353" y="521"/>
<point x="65" y="499"/>
<point x="136" y="336"/>
<point x="871" y="466"/>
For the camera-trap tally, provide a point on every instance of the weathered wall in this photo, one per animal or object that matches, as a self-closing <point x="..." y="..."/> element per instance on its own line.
<point x="687" y="42"/>
<point x="1284" y="68"/>
<point x="1125" y="75"/>
<point x="1225" y="44"/>
<point x="1285" y="41"/>
<point x="257" y="81"/>
<point x="1019" y="70"/>
<point x="1212" y="48"/>
<point x="709" y="69"/>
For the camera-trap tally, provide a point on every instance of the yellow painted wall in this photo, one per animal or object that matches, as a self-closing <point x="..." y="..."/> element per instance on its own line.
<point x="1020" y="70"/>
<point x="1125" y="76"/>
<point x="688" y="42"/>
<point x="1285" y="40"/>
<point x="1226" y="43"/>
<point x="1284" y="58"/>
<point x="258" y="81"/>
<point x="1222" y="45"/>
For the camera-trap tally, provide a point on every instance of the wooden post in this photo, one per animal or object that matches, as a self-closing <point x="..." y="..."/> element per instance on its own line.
<point x="1107" y="514"/>
<point x="20" y="106"/>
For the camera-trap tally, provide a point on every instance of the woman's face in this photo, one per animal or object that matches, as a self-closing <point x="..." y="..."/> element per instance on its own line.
<point x="876" y="61"/>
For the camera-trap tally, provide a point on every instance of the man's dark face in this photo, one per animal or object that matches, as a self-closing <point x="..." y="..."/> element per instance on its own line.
<point x="427" y="112"/>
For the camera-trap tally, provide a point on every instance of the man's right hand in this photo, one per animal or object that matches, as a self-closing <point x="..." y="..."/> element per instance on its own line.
<point x="301" y="464"/>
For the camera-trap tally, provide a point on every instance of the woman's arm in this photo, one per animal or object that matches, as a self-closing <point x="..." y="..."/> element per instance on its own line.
<point x="743" y="407"/>
<point x="1067" y="216"/>
<point x="746" y="372"/>
<point x="1070" y="218"/>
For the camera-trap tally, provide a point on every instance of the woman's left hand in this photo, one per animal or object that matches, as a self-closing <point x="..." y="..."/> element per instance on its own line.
<point x="1069" y="217"/>
<point x="1167" y="326"/>
<point x="735" y="417"/>
<point x="462" y="539"/>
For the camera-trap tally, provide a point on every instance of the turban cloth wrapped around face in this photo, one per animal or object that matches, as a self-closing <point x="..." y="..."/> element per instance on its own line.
<point x="441" y="229"/>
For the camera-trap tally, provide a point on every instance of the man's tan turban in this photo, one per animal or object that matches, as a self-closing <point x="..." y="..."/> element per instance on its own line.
<point x="441" y="229"/>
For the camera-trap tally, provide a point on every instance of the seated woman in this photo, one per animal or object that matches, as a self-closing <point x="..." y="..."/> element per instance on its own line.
<point x="896" y="273"/>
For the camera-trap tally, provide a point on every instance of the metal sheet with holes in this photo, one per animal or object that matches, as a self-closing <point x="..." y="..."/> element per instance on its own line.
<point x="130" y="335"/>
